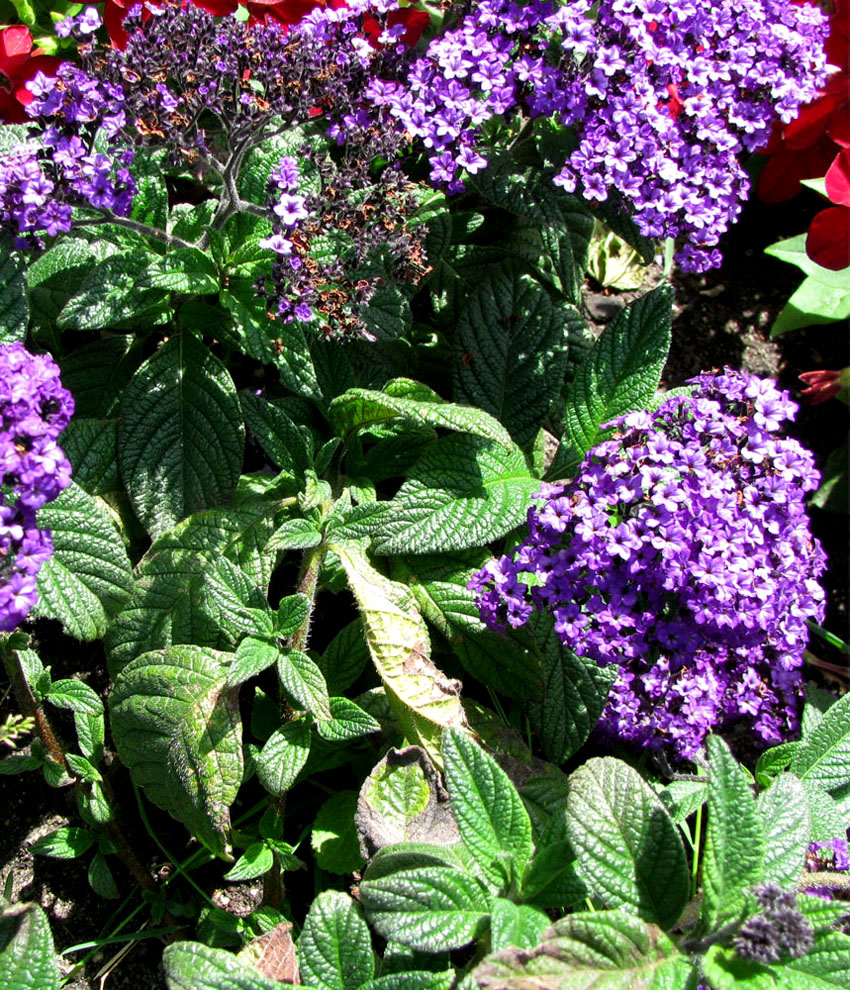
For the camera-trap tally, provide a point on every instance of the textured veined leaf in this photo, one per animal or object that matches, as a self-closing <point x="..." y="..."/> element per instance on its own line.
<point x="91" y="447"/>
<point x="194" y="966"/>
<point x="27" y="957"/>
<point x="493" y="822"/>
<point x="605" y="949"/>
<point x="431" y="909"/>
<point x="181" y="436"/>
<point x="515" y="925"/>
<point x="14" y="304"/>
<point x="177" y="728"/>
<point x="630" y="853"/>
<point x="361" y="408"/>
<point x="89" y="577"/>
<point x="787" y="821"/>
<point x="423" y="698"/>
<point x="283" y="756"/>
<point x="109" y="294"/>
<point x="304" y="683"/>
<point x="511" y="351"/>
<point x="463" y="492"/>
<point x="622" y="370"/>
<point x="171" y="602"/>
<point x="334" y="837"/>
<point x="824" y="756"/>
<point x="335" y="948"/>
<point x="734" y="840"/>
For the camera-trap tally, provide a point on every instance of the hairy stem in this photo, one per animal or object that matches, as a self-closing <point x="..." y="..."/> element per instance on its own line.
<point x="140" y="228"/>
<point x="31" y="708"/>
<point x="308" y="585"/>
<point x="822" y="878"/>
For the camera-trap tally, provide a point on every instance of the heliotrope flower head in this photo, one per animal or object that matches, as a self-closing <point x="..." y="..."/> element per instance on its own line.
<point x="34" y="409"/>
<point x="663" y="98"/>
<point x="682" y="553"/>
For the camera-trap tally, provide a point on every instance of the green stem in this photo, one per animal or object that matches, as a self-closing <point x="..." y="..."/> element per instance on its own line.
<point x="30" y="708"/>
<point x="695" y="860"/>
<point x="308" y="585"/>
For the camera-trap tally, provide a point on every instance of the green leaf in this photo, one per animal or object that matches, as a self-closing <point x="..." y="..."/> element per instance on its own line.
<point x="294" y="534"/>
<point x="91" y="447"/>
<point x="623" y="368"/>
<point x="423" y="699"/>
<point x="89" y="578"/>
<point x="433" y="909"/>
<point x="515" y="925"/>
<point x="414" y="980"/>
<point x="57" y="276"/>
<point x="551" y="880"/>
<point x="608" y="950"/>
<point x="14" y="303"/>
<point x="87" y="707"/>
<point x="334" y="839"/>
<point x="787" y="822"/>
<point x="348" y="721"/>
<point x="288" y="445"/>
<point x="814" y="304"/>
<point x="827" y="818"/>
<point x="64" y="843"/>
<point x="574" y="693"/>
<point x="360" y="409"/>
<point x="173" y="602"/>
<point x="291" y="614"/>
<point x="253" y="656"/>
<point x="101" y="879"/>
<point x="254" y="862"/>
<point x="462" y="492"/>
<point x="734" y="840"/>
<point x="511" y="351"/>
<point x="97" y="374"/>
<point x="303" y="682"/>
<point x="335" y="949"/>
<point x="682" y="798"/>
<point x="826" y="966"/>
<point x="824" y="756"/>
<point x="27" y="957"/>
<point x="193" y="966"/>
<point x="344" y="658"/>
<point x="283" y="756"/>
<point x="109" y="294"/>
<point x="504" y="661"/>
<point x="773" y="761"/>
<point x="629" y="851"/>
<point x="183" y="270"/>
<point x="150" y="204"/>
<point x="181" y="436"/>
<point x="493" y="822"/>
<point x="177" y="728"/>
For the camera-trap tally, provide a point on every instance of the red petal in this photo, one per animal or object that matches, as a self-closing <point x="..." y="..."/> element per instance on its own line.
<point x="15" y="47"/>
<point x="779" y="180"/>
<point x="217" y="7"/>
<point x="815" y="117"/>
<point x="11" y="112"/>
<point x="838" y="179"/>
<point x="48" y="64"/>
<point x="113" y="17"/>
<point x="828" y="242"/>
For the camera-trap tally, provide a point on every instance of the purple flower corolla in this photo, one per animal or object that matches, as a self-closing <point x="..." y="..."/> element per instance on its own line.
<point x="682" y="553"/>
<point x="663" y="98"/>
<point x="34" y="409"/>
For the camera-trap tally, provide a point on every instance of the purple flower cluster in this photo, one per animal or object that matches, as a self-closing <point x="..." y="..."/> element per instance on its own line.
<point x="779" y="930"/>
<point x="40" y="182"/>
<point x="682" y="553"/>
<point x="663" y="96"/>
<point x="34" y="409"/>
<point x="832" y="856"/>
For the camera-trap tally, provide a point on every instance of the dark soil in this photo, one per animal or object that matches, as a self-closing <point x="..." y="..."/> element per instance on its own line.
<point x="722" y="318"/>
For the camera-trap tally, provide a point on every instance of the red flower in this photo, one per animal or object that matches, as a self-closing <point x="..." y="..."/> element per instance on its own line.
<point x="823" y="385"/>
<point x="19" y="63"/>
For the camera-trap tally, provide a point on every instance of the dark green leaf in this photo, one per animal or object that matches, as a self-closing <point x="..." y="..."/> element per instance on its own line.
<point x="622" y="371"/>
<point x="283" y="756"/>
<point x="432" y="909"/>
<point x="64" y="843"/>
<point x="511" y="351"/>
<point x="14" y="304"/>
<point x="193" y="966"/>
<point x="177" y="728"/>
<point x="734" y="840"/>
<point x="97" y="374"/>
<point x="27" y="957"/>
<point x="89" y="577"/>
<point x="254" y="862"/>
<point x="493" y="823"/>
<point x="334" y="838"/>
<point x="101" y="880"/>
<point x="109" y="294"/>
<point x="303" y="682"/>
<point x="463" y="492"/>
<point x="288" y="445"/>
<point x="348" y="721"/>
<point x="253" y="655"/>
<point x="183" y="270"/>
<point x="91" y="447"/>
<point x="335" y="949"/>
<point x="181" y="436"/>
<point x="515" y="925"/>
<point x="344" y="658"/>
<point x="629" y="851"/>
<point x="605" y="949"/>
